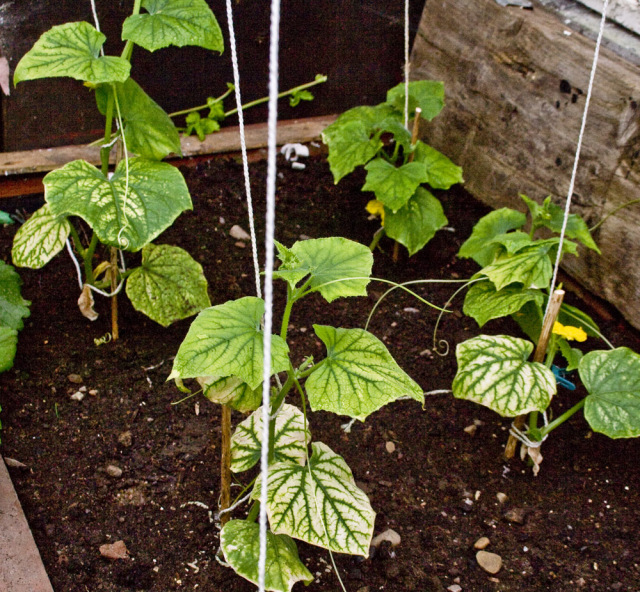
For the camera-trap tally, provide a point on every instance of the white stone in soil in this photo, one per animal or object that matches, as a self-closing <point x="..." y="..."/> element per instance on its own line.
<point x="239" y="233"/>
<point x="490" y="562"/>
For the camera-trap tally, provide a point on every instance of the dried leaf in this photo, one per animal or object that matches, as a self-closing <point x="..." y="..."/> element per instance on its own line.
<point x="85" y="303"/>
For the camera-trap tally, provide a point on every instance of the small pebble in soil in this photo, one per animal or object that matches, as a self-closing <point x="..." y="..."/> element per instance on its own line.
<point x="125" y="439"/>
<point x="390" y="446"/>
<point x="114" y="471"/>
<point x="75" y="378"/>
<point x="114" y="551"/>
<point x="516" y="515"/>
<point x="466" y="505"/>
<point x="502" y="497"/>
<point x="240" y="244"/>
<point x="77" y="396"/>
<point x="481" y="543"/>
<point x="455" y="588"/>
<point x="239" y="233"/>
<point x="490" y="562"/>
<point x="471" y="429"/>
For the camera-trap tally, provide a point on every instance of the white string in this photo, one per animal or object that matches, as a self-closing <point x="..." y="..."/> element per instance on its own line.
<point x="578" y="149"/>
<point x="95" y="18"/>
<point x="243" y="146"/>
<point x="75" y="262"/>
<point x="406" y="64"/>
<point x="268" y="279"/>
<point x="521" y="435"/>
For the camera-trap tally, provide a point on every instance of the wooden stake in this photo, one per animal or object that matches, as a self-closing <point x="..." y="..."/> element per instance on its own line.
<point x="114" y="299"/>
<point x="538" y="356"/>
<point x="225" y="463"/>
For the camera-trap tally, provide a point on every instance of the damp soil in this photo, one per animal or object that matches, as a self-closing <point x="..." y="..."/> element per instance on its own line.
<point x="436" y="486"/>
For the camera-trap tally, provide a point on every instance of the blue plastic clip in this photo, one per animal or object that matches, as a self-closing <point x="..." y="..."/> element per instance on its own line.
<point x="560" y="374"/>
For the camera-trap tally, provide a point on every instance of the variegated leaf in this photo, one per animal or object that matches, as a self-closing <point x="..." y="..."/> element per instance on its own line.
<point x="290" y="439"/>
<point x="231" y="391"/>
<point x="319" y="503"/>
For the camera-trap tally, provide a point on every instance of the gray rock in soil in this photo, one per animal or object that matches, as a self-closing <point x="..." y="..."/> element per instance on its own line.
<point x="114" y="471"/>
<point x="516" y="515"/>
<point x="239" y="233"/>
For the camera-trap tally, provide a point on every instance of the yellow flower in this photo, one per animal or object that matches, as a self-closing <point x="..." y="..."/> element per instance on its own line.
<point x="376" y="207"/>
<point x="569" y="333"/>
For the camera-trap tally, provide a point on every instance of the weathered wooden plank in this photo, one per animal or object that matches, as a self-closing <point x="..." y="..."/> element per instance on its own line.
<point x="515" y="84"/>
<point x="623" y="12"/>
<point x="226" y="140"/>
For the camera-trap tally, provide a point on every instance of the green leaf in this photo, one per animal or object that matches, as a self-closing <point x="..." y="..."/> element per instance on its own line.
<point x="513" y="241"/>
<point x="5" y="218"/>
<point x="8" y="347"/>
<point x="415" y="224"/>
<point x="240" y="542"/>
<point x="72" y="50"/>
<point x="168" y="286"/>
<point x="319" y="503"/>
<point x="612" y="379"/>
<point x="200" y="126"/>
<point x="493" y="371"/>
<point x="226" y="340"/>
<point x="40" y="238"/>
<point x="531" y="267"/>
<point x="149" y="131"/>
<point x="125" y="215"/>
<point x="300" y="95"/>
<point x="552" y="216"/>
<point x="441" y="172"/>
<point x="358" y="376"/>
<point x="349" y="147"/>
<point x="479" y="245"/>
<point x="290" y="439"/>
<point x="328" y="262"/>
<point x="483" y="302"/>
<point x="393" y="186"/>
<point x="371" y="119"/>
<point x="426" y="94"/>
<point x="571" y="354"/>
<point x="13" y="307"/>
<point x="231" y="391"/>
<point x="174" y="22"/>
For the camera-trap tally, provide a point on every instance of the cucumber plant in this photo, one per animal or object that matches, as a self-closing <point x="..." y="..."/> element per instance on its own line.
<point x="130" y="207"/>
<point x="494" y="371"/>
<point x="311" y="497"/>
<point x="397" y="166"/>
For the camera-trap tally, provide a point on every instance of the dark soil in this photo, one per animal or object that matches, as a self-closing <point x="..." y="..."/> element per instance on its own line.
<point x="437" y="489"/>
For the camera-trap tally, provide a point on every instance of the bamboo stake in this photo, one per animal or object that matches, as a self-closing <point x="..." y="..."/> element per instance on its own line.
<point x="538" y="356"/>
<point x="114" y="299"/>
<point x="225" y="463"/>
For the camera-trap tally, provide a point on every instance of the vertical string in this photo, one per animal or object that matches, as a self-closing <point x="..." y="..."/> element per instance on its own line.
<point x="406" y="64"/>
<point x="268" y="279"/>
<point x="578" y="150"/>
<point x="243" y="146"/>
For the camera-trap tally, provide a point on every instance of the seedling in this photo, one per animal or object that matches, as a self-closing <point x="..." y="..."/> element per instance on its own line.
<point x="129" y="208"/>
<point x="397" y="164"/>
<point x="314" y="497"/>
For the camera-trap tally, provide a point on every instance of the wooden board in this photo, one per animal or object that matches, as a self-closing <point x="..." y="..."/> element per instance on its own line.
<point x="226" y="140"/>
<point x="623" y="12"/>
<point x="515" y="84"/>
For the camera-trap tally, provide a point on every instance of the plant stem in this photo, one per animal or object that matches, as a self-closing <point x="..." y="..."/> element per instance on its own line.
<point x="77" y="242"/>
<point x="225" y="463"/>
<point x="286" y="315"/>
<point x="253" y="512"/>
<point x="562" y="418"/>
<point x="115" y="332"/>
<point x="128" y="47"/>
<point x="376" y="238"/>
<point x="88" y="259"/>
<point x="614" y="211"/>
<point x="201" y="107"/>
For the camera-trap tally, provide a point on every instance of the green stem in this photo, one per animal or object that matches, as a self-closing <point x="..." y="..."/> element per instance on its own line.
<point x="201" y="107"/>
<point x="253" y="512"/>
<point x="88" y="259"/>
<point x="561" y="419"/>
<point x="104" y="152"/>
<point x="376" y="238"/>
<point x="286" y="315"/>
<point x="77" y="242"/>
<point x="614" y="211"/>
<point x="128" y="47"/>
<point x="308" y="371"/>
<point x="533" y="424"/>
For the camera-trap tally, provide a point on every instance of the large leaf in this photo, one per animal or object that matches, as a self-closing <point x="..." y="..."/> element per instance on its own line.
<point x="552" y="216"/>
<point x="231" y="391"/>
<point x="392" y="185"/>
<point x="441" y="172"/>
<point x="480" y="246"/>
<point x="612" y="379"/>
<point x="149" y="131"/>
<point x="415" y="224"/>
<point x="40" y="238"/>
<point x="128" y="210"/>
<point x="371" y="118"/>
<point x="168" y="286"/>
<point x="226" y="340"/>
<point x="350" y="146"/>
<point x="8" y="346"/>
<point x="483" y="302"/>
<point x="493" y="371"/>
<point x="13" y="307"/>
<point x="240" y="542"/>
<point x="426" y="94"/>
<point x="319" y="503"/>
<point x="328" y="262"/>
<point x="72" y="50"/>
<point x="358" y="376"/>
<point x="174" y="22"/>
<point x="290" y="439"/>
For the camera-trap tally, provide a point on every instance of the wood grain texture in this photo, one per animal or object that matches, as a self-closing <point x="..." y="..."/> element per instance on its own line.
<point x="515" y="88"/>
